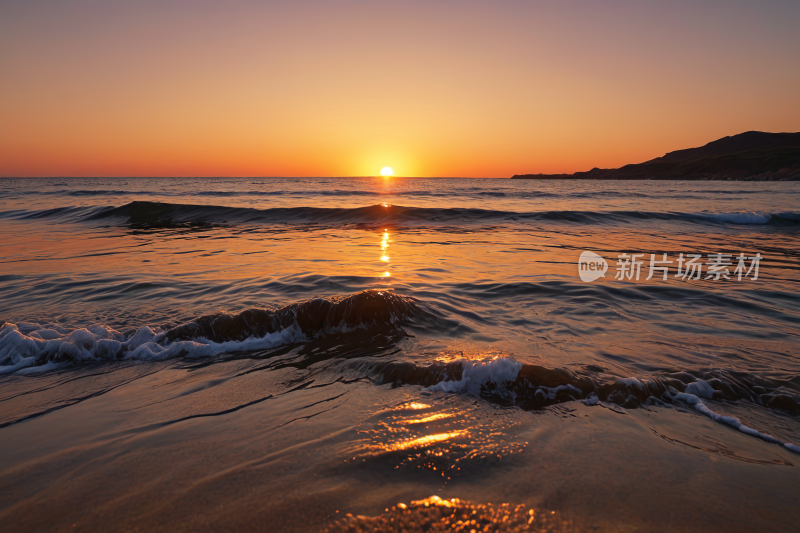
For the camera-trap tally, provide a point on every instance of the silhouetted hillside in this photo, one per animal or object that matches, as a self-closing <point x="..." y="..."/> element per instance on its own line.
<point x="752" y="155"/>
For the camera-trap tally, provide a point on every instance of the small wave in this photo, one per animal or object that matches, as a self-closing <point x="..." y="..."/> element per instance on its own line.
<point x="478" y="375"/>
<point x="739" y="218"/>
<point x="507" y="381"/>
<point x="27" y="345"/>
<point x="100" y="192"/>
<point x="751" y="218"/>
<point x="143" y="214"/>
<point x="701" y="389"/>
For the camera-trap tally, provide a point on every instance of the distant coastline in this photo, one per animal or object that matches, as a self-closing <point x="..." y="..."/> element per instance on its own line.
<point x="749" y="156"/>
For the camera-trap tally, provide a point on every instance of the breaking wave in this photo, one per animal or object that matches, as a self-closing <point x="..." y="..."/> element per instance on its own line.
<point x="27" y="345"/>
<point x="317" y="327"/>
<point x="507" y="381"/>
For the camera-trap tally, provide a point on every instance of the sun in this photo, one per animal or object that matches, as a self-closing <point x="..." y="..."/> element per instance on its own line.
<point x="387" y="172"/>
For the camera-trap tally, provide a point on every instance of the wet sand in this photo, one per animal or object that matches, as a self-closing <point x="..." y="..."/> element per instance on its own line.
<point x="297" y="461"/>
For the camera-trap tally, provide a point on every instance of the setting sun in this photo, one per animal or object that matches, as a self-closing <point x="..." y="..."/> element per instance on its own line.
<point x="560" y="191"/>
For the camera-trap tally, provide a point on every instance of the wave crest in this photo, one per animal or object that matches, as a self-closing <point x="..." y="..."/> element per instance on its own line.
<point x="506" y="380"/>
<point x="27" y="344"/>
<point x="161" y="215"/>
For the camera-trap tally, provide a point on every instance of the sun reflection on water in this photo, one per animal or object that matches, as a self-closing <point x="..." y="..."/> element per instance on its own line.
<point x="441" y="436"/>
<point x="434" y="514"/>
<point x="423" y="441"/>
<point x="385" y="251"/>
<point x="431" y="418"/>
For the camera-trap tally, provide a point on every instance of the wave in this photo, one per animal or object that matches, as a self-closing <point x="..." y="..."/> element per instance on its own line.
<point x="318" y="329"/>
<point x="27" y="345"/>
<point x="744" y="218"/>
<point x="532" y="387"/>
<point x="507" y="381"/>
<point x="320" y="321"/>
<point x="154" y="215"/>
<point x="352" y="188"/>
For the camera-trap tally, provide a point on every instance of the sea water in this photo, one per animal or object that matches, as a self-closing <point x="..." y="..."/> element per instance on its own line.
<point x="279" y="353"/>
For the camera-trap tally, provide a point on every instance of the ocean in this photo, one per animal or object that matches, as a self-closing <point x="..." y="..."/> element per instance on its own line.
<point x="399" y="354"/>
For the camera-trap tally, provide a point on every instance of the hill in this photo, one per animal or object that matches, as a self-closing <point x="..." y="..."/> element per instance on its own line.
<point x="753" y="156"/>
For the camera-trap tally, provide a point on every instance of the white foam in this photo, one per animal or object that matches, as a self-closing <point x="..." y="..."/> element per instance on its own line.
<point x="552" y="392"/>
<point x="151" y="350"/>
<point x="15" y="347"/>
<point x="698" y="405"/>
<point x="23" y="345"/>
<point x="41" y="369"/>
<point x="476" y="374"/>
<point x="701" y="389"/>
<point x="631" y="382"/>
<point x="22" y="363"/>
<point x="591" y="400"/>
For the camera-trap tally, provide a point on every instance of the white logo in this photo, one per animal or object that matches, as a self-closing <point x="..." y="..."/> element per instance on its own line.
<point x="591" y="266"/>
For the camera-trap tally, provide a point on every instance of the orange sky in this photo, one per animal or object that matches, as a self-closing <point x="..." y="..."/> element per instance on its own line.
<point x="342" y="88"/>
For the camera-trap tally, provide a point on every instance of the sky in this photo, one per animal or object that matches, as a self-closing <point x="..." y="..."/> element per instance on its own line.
<point x="344" y="88"/>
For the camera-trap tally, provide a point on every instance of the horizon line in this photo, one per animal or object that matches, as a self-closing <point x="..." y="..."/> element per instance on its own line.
<point x="254" y="177"/>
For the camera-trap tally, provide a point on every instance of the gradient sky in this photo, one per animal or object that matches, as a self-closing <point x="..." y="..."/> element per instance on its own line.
<point x="342" y="88"/>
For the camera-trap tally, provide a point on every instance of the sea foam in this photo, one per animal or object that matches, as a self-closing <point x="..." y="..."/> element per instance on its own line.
<point x="380" y="312"/>
<point x="42" y="344"/>
<point x="476" y="375"/>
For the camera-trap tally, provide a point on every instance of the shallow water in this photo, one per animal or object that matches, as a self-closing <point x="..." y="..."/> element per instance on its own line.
<point x="201" y="353"/>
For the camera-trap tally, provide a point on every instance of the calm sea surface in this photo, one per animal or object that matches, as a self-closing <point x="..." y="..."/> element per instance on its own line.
<point x="258" y="353"/>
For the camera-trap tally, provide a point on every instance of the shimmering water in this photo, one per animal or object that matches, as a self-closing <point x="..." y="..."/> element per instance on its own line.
<point x="283" y="349"/>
